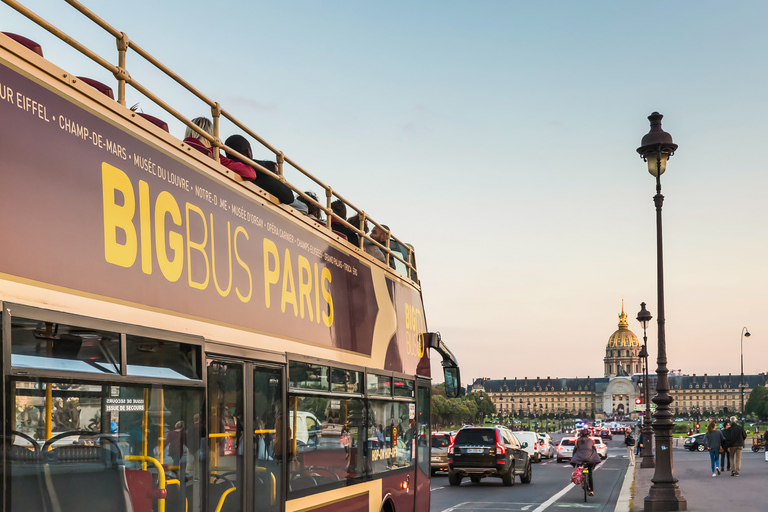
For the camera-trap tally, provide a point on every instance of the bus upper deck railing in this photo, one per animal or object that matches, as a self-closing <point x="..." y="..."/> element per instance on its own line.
<point x="123" y="77"/>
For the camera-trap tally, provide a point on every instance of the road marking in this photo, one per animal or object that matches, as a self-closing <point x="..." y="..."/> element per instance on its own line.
<point x="474" y="504"/>
<point x="577" y="505"/>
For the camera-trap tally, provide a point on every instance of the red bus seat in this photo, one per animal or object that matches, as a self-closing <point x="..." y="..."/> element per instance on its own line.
<point x="26" y="42"/>
<point x="152" y="119"/>
<point x="140" y="487"/>
<point x="103" y="88"/>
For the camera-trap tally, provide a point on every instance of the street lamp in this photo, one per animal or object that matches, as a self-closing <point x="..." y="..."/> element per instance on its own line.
<point x="644" y="317"/>
<point x="664" y="494"/>
<point x="744" y="332"/>
<point x="529" y="415"/>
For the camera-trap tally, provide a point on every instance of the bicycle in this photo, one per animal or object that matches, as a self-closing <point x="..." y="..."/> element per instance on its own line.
<point x="584" y="477"/>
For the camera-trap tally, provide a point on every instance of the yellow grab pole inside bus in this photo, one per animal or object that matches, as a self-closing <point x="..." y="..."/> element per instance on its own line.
<point x="48" y="411"/>
<point x="145" y="424"/>
<point x="161" y="429"/>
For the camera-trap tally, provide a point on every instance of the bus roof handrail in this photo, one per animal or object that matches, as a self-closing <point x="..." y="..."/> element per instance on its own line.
<point x="121" y="74"/>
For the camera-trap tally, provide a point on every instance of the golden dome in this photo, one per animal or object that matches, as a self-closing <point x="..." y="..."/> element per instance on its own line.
<point x="623" y="338"/>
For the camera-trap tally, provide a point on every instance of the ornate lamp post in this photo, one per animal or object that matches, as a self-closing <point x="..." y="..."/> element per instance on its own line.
<point x="744" y="332"/>
<point x="644" y="317"/>
<point x="656" y="148"/>
<point x="529" y="415"/>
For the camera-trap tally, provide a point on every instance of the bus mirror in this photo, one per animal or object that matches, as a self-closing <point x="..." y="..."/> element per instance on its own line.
<point x="450" y="364"/>
<point x="452" y="381"/>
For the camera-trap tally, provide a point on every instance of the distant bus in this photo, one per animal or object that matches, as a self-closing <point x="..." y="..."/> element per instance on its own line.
<point x="175" y="339"/>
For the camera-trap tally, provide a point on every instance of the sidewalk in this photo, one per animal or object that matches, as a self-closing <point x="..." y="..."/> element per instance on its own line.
<point x="704" y="492"/>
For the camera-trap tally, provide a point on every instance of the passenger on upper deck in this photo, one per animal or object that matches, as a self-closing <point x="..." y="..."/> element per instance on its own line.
<point x="268" y="183"/>
<point x="200" y="143"/>
<point x="314" y="210"/>
<point x="340" y="209"/>
<point x="355" y="221"/>
<point x="380" y="236"/>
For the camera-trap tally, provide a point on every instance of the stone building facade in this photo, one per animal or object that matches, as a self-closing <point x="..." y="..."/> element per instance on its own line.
<point x="614" y="394"/>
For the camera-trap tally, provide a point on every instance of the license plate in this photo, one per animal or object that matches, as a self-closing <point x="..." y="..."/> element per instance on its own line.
<point x="435" y="459"/>
<point x="474" y="450"/>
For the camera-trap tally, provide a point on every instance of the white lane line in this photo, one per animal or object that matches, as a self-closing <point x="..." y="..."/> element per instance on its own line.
<point x="550" y="501"/>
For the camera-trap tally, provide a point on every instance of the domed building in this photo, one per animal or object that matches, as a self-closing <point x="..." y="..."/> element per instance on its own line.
<point x="613" y="396"/>
<point x="622" y="352"/>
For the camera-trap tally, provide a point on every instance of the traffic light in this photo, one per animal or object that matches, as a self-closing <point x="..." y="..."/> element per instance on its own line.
<point x="638" y="401"/>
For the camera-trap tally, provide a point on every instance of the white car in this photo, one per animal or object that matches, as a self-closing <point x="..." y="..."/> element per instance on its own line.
<point x="565" y="448"/>
<point x="567" y="444"/>
<point x="529" y="441"/>
<point x="602" y="448"/>
<point x="546" y="446"/>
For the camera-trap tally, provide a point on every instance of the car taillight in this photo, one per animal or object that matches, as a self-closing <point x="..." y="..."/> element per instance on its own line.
<point x="450" y="447"/>
<point x="500" y="447"/>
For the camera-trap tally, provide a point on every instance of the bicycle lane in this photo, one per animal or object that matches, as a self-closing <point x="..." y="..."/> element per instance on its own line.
<point x="608" y="480"/>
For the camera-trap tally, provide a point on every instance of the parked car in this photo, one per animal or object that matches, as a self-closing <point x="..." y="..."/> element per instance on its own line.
<point x="480" y="452"/>
<point x="546" y="446"/>
<point x="439" y="455"/>
<point x="530" y="443"/>
<point x="695" y="442"/>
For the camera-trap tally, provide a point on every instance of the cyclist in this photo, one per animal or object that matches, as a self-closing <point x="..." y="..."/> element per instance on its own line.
<point x="586" y="454"/>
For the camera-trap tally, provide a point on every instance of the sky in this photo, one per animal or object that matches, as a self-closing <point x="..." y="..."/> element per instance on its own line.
<point x="499" y="138"/>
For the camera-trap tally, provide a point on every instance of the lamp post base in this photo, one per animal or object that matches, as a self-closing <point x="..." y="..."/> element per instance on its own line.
<point x="664" y="498"/>
<point x="647" y="462"/>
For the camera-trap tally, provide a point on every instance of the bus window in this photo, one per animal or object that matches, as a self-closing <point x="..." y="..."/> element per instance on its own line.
<point x="379" y="385"/>
<point x="54" y="346"/>
<point x="74" y="443"/>
<point x="148" y="357"/>
<point x="391" y="434"/>
<point x="324" y="441"/>
<point x="346" y="381"/>
<point x="309" y="376"/>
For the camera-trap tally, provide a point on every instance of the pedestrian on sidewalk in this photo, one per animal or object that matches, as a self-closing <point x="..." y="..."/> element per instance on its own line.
<point x="725" y="456"/>
<point x="629" y="442"/>
<point x="712" y="442"/>
<point x="735" y="437"/>
<point x="639" y="443"/>
<point x="765" y="443"/>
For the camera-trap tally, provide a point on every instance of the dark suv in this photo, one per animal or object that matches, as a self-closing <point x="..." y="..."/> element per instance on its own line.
<point x="479" y="452"/>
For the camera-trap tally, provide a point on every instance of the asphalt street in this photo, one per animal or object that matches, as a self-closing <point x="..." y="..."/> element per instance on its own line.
<point x="550" y="489"/>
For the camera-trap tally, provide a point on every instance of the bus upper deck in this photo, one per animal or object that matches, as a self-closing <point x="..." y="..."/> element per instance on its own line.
<point x="173" y="337"/>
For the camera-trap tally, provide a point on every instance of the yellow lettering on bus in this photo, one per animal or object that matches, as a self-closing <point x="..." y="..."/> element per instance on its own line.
<point x="243" y="298"/>
<point x="289" y="295"/>
<point x="317" y="294"/>
<point x="271" y="275"/>
<point x="223" y="293"/>
<point x="327" y="317"/>
<point x="171" y="268"/>
<point x="305" y="287"/>
<point x="145" y="227"/>
<point x="118" y="217"/>
<point x="198" y="247"/>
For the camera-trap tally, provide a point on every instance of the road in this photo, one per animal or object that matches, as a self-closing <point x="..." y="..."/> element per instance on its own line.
<point x="550" y="489"/>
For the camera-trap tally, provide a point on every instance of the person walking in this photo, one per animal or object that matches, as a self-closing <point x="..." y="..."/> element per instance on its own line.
<point x="765" y="444"/>
<point x="736" y="437"/>
<point x="629" y="442"/>
<point x="725" y="459"/>
<point x="712" y="442"/>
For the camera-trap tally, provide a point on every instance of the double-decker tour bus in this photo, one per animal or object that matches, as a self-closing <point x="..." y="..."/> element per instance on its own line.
<point x="175" y="336"/>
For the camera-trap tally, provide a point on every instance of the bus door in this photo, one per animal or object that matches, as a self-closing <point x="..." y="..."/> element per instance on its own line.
<point x="423" y="444"/>
<point x="244" y="448"/>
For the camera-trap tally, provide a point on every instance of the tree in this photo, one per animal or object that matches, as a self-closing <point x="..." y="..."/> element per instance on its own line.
<point x="757" y="402"/>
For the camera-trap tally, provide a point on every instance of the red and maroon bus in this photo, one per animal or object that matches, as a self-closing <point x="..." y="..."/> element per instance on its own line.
<point x="174" y="337"/>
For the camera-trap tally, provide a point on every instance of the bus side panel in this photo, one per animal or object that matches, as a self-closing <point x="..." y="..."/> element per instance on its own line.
<point x="393" y="486"/>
